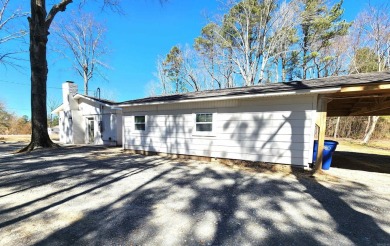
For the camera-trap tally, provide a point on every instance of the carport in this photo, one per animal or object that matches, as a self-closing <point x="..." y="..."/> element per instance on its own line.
<point x="357" y="95"/>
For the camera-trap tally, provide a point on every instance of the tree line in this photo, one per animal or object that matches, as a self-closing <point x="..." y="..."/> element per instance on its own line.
<point x="267" y="41"/>
<point x="357" y="127"/>
<point x="13" y="124"/>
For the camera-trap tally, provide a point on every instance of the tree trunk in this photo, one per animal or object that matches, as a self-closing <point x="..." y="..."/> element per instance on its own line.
<point x="85" y="82"/>
<point x="368" y="135"/>
<point x="368" y="125"/>
<point x="336" y="129"/>
<point x="39" y="70"/>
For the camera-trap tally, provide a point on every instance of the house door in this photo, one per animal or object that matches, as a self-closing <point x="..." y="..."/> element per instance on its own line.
<point x="90" y="130"/>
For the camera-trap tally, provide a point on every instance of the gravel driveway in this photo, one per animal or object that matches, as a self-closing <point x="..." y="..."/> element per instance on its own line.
<point x="100" y="196"/>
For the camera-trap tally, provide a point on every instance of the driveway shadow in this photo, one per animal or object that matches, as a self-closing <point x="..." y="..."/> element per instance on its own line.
<point x="361" y="161"/>
<point x="131" y="199"/>
<point x="355" y="224"/>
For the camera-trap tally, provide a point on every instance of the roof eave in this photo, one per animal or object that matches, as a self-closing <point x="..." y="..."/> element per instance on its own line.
<point x="58" y="109"/>
<point x="220" y="98"/>
<point x="78" y="96"/>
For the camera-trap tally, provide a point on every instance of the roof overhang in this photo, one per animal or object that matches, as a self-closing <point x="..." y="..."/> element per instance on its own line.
<point x="58" y="109"/>
<point x="222" y="98"/>
<point x="360" y="100"/>
<point x="79" y="96"/>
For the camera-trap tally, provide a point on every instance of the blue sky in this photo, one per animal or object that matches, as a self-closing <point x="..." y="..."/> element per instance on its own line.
<point x="146" y="31"/>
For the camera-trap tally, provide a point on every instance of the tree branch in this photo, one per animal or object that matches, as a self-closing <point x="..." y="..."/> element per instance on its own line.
<point x="54" y="10"/>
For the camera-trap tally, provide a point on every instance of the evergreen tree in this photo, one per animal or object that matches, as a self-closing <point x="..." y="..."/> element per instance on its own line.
<point x="365" y="61"/>
<point x="172" y="69"/>
<point x="320" y="25"/>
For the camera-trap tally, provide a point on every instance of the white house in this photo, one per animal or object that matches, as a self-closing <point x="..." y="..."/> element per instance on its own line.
<point x="274" y="123"/>
<point x="269" y="127"/>
<point x="88" y="120"/>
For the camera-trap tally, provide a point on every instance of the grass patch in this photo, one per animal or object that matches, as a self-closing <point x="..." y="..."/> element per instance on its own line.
<point x="378" y="147"/>
<point x="15" y="138"/>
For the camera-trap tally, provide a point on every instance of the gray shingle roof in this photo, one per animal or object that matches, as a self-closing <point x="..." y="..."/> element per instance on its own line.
<point x="328" y="82"/>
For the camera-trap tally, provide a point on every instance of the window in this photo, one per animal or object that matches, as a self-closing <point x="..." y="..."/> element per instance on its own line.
<point x="204" y="122"/>
<point x="139" y="123"/>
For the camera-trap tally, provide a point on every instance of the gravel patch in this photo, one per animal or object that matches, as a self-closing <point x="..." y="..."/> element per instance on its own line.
<point x="101" y="196"/>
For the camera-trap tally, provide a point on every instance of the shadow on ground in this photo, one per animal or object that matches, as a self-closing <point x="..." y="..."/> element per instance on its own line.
<point x="132" y="199"/>
<point x="361" y="161"/>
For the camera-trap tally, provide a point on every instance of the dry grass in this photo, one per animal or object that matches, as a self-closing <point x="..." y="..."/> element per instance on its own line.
<point x="15" y="138"/>
<point x="378" y="147"/>
<point x="22" y="138"/>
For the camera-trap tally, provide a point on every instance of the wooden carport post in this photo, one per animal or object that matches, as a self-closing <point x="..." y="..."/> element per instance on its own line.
<point x="322" y="103"/>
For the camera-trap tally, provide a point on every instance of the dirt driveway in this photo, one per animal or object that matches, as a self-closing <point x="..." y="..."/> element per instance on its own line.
<point x="99" y="196"/>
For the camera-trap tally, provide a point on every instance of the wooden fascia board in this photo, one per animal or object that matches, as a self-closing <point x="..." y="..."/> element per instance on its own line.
<point x="361" y="88"/>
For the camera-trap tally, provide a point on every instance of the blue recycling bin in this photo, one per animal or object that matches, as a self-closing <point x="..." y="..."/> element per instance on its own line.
<point x="329" y="148"/>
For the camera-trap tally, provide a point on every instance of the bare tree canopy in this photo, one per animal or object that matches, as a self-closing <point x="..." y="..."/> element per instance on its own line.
<point x="81" y="40"/>
<point x="9" y="32"/>
<point x="263" y="41"/>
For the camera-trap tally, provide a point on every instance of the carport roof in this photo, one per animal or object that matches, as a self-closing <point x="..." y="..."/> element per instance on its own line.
<point x="311" y="85"/>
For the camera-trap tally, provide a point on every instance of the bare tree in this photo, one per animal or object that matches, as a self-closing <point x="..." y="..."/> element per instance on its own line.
<point x="373" y="26"/>
<point x="245" y="30"/>
<point x="164" y="87"/>
<point x="53" y="103"/>
<point x="334" y="59"/>
<point x="190" y="70"/>
<point x="8" y="32"/>
<point x="214" y="58"/>
<point x="82" y="39"/>
<point x="256" y="33"/>
<point x="39" y="25"/>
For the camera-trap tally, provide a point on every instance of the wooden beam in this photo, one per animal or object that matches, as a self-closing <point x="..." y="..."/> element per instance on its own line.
<point x="334" y="113"/>
<point x="365" y="88"/>
<point x="321" y="124"/>
<point x="366" y="110"/>
<point x="355" y="96"/>
<point x="356" y="103"/>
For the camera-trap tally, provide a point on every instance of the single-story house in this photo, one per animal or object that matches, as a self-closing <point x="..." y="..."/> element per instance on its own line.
<point x="274" y="123"/>
<point x="88" y="120"/>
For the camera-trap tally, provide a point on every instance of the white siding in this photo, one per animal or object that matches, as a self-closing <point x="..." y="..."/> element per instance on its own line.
<point x="119" y="128"/>
<point x="111" y="120"/>
<point x="111" y="124"/>
<point x="277" y="129"/>
<point x="78" y="127"/>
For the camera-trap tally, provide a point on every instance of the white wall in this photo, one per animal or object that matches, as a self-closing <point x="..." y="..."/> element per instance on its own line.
<point x="119" y="128"/>
<point x="69" y="89"/>
<point x="110" y="118"/>
<point x="66" y="127"/>
<point x="272" y="129"/>
<point x="78" y="127"/>
<point x="73" y="120"/>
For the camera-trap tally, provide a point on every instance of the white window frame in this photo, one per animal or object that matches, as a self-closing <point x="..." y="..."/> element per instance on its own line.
<point x="134" y="123"/>
<point x="211" y="133"/>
